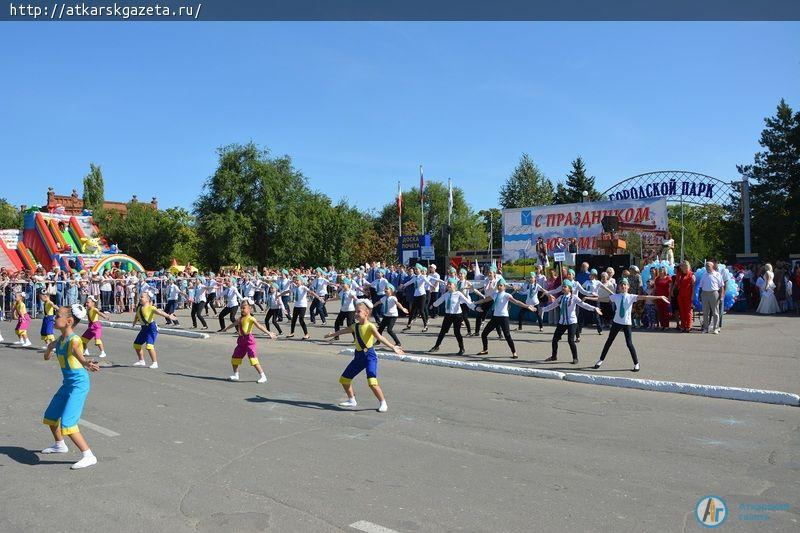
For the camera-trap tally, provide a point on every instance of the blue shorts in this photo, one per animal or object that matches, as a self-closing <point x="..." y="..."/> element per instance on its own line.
<point x="147" y="336"/>
<point x="363" y="360"/>
<point x="48" y="325"/>
<point x="67" y="405"/>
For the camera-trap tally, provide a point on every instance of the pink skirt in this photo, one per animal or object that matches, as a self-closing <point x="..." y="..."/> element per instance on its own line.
<point x="245" y="345"/>
<point x="23" y="322"/>
<point x="94" y="331"/>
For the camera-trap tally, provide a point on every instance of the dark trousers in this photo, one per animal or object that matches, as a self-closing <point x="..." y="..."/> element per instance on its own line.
<point x="465" y="318"/>
<point x="169" y="309"/>
<point x="273" y="314"/>
<point x="299" y="313"/>
<point x="559" y="332"/>
<point x="585" y="318"/>
<point x="455" y="321"/>
<point x="616" y="328"/>
<point x="387" y="323"/>
<point x="106" y="299"/>
<point x="228" y="311"/>
<point x="318" y="308"/>
<point x="212" y="297"/>
<point x="537" y="314"/>
<point x="485" y="315"/>
<point x="197" y="310"/>
<point x="433" y="311"/>
<point x="285" y="300"/>
<point x="344" y="316"/>
<point x="418" y="307"/>
<point x="377" y="311"/>
<point x="608" y="315"/>
<point x="501" y="324"/>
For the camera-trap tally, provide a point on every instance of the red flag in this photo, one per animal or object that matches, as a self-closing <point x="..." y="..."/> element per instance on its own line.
<point x="399" y="200"/>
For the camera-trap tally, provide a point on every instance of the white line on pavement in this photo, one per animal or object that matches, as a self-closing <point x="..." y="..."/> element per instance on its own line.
<point x="99" y="429"/>
<point x="369" y="527"/>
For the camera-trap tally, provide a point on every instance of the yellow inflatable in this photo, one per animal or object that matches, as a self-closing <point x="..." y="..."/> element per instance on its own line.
<point x="90" y="246"/>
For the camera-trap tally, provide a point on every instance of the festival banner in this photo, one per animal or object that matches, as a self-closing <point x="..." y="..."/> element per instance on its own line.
<point x="521" y="227"/>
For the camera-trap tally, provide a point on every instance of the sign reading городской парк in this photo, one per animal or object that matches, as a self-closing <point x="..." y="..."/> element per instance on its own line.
<point x="665" y="188"/>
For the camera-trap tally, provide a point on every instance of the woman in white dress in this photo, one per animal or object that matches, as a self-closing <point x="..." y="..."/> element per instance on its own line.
<point x="769" y="304"/>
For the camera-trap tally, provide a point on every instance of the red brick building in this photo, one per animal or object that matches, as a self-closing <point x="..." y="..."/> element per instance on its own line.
<point x="73" y="204"/>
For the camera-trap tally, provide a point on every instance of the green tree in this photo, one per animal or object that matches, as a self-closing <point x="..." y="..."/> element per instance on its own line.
<point x="93" y="188"/>
<point x="187" y="244"/>
<point x="707" y="232"/>
<point x="10" y="216"/>
<point x="526" y="187"/>
<point x="493" y="222"/>
<point x="577" y="183"/>
<point x="775" y="186"/>
<point x="142" y="232"/>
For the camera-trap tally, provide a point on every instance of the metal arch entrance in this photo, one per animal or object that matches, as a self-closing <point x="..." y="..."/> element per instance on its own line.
<point x="683" y="186"/>
<point x="675" y="186"/>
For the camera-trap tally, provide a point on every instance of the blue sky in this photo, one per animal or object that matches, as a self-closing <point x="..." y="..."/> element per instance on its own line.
<point x="359" y="106"/>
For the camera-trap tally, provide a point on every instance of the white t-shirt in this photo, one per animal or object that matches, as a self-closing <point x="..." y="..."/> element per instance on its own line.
<point x="500" y="304"/>
<point x="300" y="296"/>
<point x="711" y="281"/>
<point x="348" y="299"/>
<point x="453" y="301"/>
<point x="623" y="305"/>
<point x="200" y="293"/>
<point x="232" y="296"/>
<point x="389" y="305"/>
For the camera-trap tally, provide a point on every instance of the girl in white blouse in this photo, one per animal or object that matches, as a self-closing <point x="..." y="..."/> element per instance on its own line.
<point x="452" y="299"/>
<point x="389" y="306"/>
<point x="499" y="316"/>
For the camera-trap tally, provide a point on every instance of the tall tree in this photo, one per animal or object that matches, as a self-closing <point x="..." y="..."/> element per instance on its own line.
<point x="493" y="223"/>
<point x="577" y="182"/>
<point x="10" y="216"/>
<point x="142" y="232"/>
<point x="93" y="188"/>
<point x="775" y="186"/>
<point x="526" y="186"/>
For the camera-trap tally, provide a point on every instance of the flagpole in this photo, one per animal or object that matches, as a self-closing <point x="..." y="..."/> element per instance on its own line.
<point x="449" y="216"/>
<point x="399" y="210"/>
<point x="422" y="200"/>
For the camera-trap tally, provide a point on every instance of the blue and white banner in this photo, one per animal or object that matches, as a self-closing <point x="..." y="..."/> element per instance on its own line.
<point x="523" y="226"/>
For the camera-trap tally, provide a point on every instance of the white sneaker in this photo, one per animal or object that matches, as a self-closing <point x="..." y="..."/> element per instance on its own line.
<point x="262" y="379"/>
<point x="140" y="363"/>
<point x="56" y="448"/>
<point x="44" y="348"/>
<point x="154" y="365"/>
<point x="86" y="353"/>
<point x="102" y="354"/>
<point x="716" y="331"/>
<point x="28" y="342"/>
<point x="234" y="377"/>
<point x="351" y="402"/>
<point x="383" y="407"/>
<point x="84" y="462"/>
<point x="598" y="364"/>
<point x="636" y="367"/>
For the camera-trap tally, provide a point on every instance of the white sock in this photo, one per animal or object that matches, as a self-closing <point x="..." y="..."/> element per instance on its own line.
<point x="87" y="453"/>
<point x="60" y="443"/>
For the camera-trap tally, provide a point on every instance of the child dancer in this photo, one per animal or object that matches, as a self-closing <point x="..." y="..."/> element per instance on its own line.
<point x="531" y="288"/>
<point x="347" y="309"/>
<point x="64" y="411"/>
<point x="465" y="287"/>
<point x="453" y="300"/>
<point x="197" y="292"/>
<point x="149" y="332"/>
<point x="23" y="320"/>
<point x="389" y="306"/>
<point x="623" y="304"/>
<point x="274" y="308"/>
<point x="300" y="293"/>
<point x="48" y="320"/>
<point x="567" y="319"/>
<point x="499" y="316"/>
<point x="95" y="328"/>
<point x="365" y="358"/>
<point x="246" y="342"/>
<point x="418" y="306"/>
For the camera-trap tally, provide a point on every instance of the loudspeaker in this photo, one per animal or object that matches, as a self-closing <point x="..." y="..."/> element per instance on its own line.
<point x="583" y="258"/>
<point x="610" y="224"/>
<point x="619" y="263"/>
<point x="600" y="262"/>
